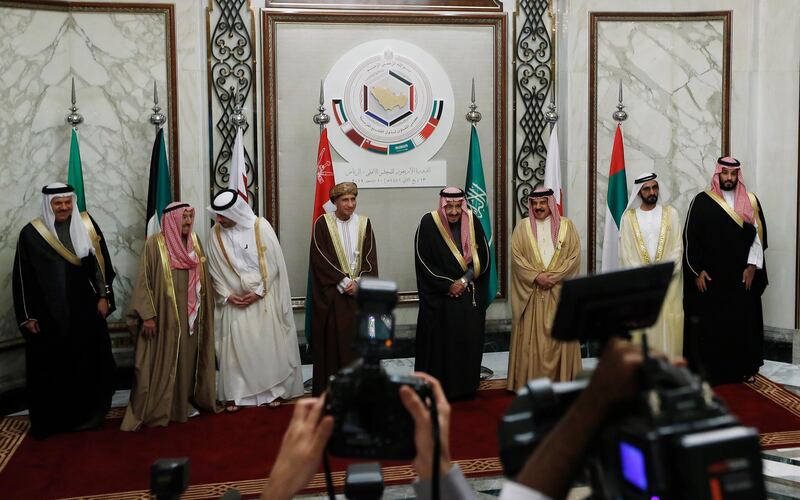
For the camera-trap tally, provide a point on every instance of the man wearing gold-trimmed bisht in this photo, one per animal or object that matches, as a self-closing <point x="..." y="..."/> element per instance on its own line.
<point x="651" y="233"/>
<point x="62" y="294"/>
<point x="342" y="251"/>
<point x="452" y="264"/>
<point x="172" y="318"/>
<point x="257" y="351"/>
<point x="725" y="273"/>
<point x="545" y="250"/>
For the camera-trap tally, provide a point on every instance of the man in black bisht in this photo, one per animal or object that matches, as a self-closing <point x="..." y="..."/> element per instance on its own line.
<point x="62" y="294"/>
<point x="724" y="276"/>
<point x="452" y="263"/>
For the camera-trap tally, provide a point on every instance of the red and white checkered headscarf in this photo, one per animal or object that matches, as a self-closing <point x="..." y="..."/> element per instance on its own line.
<point x="741" y="202"/>
<point x="450" y="194"/>
<point x="181" y="253"/>
<point x="555" y="217"/>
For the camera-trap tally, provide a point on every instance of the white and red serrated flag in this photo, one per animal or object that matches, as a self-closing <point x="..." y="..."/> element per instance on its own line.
<point x="324" y="179"/>
<point x="552" y="169"/>
<point x="238" y="178"/>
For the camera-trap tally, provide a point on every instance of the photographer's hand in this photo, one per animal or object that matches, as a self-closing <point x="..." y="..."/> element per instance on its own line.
<point x="301" y="450"/>
<point x="553" y="465"/>
<point x="423" y="431"/>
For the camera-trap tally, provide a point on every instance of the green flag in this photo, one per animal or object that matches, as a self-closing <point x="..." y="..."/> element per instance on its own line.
<point x="478" y="202"/>
<point x="159" y="189"/>
<point x="75" y="172"/>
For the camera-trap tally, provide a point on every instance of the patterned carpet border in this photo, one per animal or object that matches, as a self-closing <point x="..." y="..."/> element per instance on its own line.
<point x="394" y="474"/>
<point x="777" y="394"/>
<point x="12" y="432"/>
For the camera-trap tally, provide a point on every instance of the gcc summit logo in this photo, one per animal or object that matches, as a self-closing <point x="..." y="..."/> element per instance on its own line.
<point x="389" y="98"/>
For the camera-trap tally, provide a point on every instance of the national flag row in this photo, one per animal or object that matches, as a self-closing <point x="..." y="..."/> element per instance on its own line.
<point x="159" y="190"/>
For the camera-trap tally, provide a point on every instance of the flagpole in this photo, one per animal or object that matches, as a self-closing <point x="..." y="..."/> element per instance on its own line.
<point x="473" y="117"/>
<point x="157" y="119"/>
<point x="74" y="118"/>
<point x="322" y="118"/>
<point x="237" y="118"/>
<point x="620" y="115"/>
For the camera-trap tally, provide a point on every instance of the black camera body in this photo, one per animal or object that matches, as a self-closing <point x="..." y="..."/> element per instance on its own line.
<point x="370" y="421"/>
<point x="675" y="440"/>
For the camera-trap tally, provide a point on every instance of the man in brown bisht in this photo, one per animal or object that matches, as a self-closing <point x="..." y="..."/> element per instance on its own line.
<point x="342" y="251"/>
<point x="545" y="250"/>
<point x="172" y="316"/>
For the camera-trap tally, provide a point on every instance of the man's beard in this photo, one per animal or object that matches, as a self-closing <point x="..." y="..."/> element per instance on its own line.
<point x="650" y="200"/>
<point x="728" y="185"/>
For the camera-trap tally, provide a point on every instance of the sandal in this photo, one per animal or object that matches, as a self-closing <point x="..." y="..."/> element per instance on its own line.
<point x="274" y="403"/>
<point x="231" y="408"/>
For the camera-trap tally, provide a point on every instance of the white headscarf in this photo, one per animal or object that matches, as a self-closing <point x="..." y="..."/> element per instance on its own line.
<point x="229" y="204"/>
<point x="635" y="201"/>
<point x="81" y="242"/>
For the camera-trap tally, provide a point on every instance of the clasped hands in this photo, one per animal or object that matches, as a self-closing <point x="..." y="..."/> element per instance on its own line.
<point x="546" y="280"/>
<point x="458" y="287"/>
<point x="243" y="300"/>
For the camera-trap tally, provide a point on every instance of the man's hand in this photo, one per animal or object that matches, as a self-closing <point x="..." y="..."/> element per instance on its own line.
<point x="748" y="275"/>
<point x="149" y="328"/>
<point x="237" y="301"/>
<point x="351" y="288"/>
<point x="700" y="281"/>
<point x="102" y="307"/>
<point x="251" y="298"/>
<point x="423" y="432"/>
<point x="546" y="280"/>
<point x="32" y="326"/>
<point x="457" y="288"/>
<point x="301" y="450"/>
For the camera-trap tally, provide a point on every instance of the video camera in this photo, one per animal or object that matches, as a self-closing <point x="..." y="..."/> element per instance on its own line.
<point x="675" y="440"/>
<point x="370" y="421"/>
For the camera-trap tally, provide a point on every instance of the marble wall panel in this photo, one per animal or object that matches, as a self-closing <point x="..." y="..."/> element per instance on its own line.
<point x="765" y="43"/>
<point x="114" y="57"/>
<point x="672" y="79"/>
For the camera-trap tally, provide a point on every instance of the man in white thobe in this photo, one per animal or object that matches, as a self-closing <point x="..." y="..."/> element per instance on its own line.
<point x="650" y="233"/>
<point x="257" y="350"/>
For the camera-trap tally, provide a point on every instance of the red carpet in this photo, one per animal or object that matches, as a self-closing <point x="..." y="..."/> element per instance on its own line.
<point x="768" y="407"/>
<point x="225" y="450"/>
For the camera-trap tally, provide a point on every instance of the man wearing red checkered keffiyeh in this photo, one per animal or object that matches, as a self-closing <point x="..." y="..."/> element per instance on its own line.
<point x="172" y="318"/>
<point x="725" y="273"/>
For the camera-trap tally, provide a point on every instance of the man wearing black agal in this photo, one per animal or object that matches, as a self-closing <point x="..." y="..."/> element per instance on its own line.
<point x="61" y="299"/>
<point x="724" y="276"/>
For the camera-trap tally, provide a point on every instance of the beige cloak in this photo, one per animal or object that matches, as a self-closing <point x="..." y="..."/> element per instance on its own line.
<point x="534" y="353"/>
<point x="666" y="335"/>
<point x="173" y="369"/>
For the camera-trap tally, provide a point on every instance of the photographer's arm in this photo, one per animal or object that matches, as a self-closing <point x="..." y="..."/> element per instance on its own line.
<point x="552" y="467"/>
<point x="301" y="450"/>
<point x="453" y="484"/>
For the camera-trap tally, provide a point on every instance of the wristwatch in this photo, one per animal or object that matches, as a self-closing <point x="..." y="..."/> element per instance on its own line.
<point x="463" y="281"/>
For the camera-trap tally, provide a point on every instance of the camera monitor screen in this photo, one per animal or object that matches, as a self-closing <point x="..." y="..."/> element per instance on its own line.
<point x="634" y="468"/>
<point x="596" y="307"/>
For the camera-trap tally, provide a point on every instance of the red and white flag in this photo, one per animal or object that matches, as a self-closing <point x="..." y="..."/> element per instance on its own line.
<point x="238" y="178"/>
<point x="552" y="169"/>
<point x="324" y="179"/>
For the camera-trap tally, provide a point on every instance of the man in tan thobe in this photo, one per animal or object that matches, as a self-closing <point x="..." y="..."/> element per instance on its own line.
<point x="172" y="316"/>
<point x="545" y="250"/>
